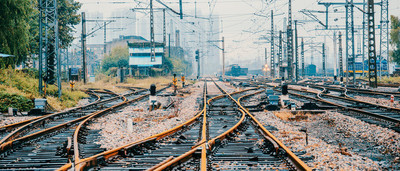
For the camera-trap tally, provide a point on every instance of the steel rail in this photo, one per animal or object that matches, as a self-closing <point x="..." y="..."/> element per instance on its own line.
<point x="14" y="142"/>
<point x="40" y="121"/>
<point x="93" y="160"/>
<point x="18" y="124"/>
<point x="362" y="91"/>
<point x="346" y="108"/>
<point x="203" y="145"/>
<point x="299" y="164"/>
<point x="97" y="114"/>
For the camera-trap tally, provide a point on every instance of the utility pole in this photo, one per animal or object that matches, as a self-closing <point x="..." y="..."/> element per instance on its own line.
<point x="384" y="38"/>
<point x="312" y="53"/>
<point x="180" y="9"/>
<point x="223" y="57"/>
<point x="83" y="41"/>
<point x="340" y="57"/>
<point x="164" y="38"/>
<point x="67" y="64"/>
<point x="373" y="80"/>
<point x="334" y="55"/>
<point x="280" y="66"/>
<point x="350" y="53"/>
<point x="302" y="58"/>
<point x="296" y="51"/>
<point x="152" y="43"/>
<point x="365" y="37"/>
<point x="169" y="45"/>
<point x="105" y="38"/>
<point x="48" y="45"/>
<point x="272" y="47"/>
<point x="164" y="32"/>
<point x="198" y="63"/>
<point x="290" y="43"/>
<point x="323" y="60"/>
<point x="266" y="61"/>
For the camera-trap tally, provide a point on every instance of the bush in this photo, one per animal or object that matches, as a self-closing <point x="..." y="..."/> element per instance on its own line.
<point x="15" y="101"/>
<point x="20" y="86"/>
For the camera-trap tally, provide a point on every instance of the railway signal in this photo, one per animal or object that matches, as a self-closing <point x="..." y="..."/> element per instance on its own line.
<point x="183" y="80"/>
<point x="153" y="97"/>
<point x="198" y="63"/>
<point x="175" y="82"/>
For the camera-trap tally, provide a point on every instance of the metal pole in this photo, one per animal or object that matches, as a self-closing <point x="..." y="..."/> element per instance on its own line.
<point x="296" y="51"/>
<point x="180" y="8"/>
<point x="67" y="64"/>
<point x="340" y="56"/>
<point x="152" y="43"/>
<point x="266" y="61"/>
<point x="83" y="41"/>
<point x="334" y="54"/>
<point x="365" y="36"/>
<point x="281" y="69"/>
<point x="105" y="38"/>
<point x="384" y="37"/>
<point x="272" y="47"/>
<point x="164" y="30"/>
<point x="302" y="58"/>
<point x="373" y="80"/>
<point x="323" y="60"/>
<point x="169" y="45"/>
<point x="290" y="43"/>
<point x="223" y="57"/>
<point x="350" y="51"/>
<point x="198" y="65"/>
<point x="40" y="48"/>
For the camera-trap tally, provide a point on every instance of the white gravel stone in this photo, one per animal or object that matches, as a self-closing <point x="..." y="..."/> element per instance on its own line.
<point x="386" y="89"/>
<point x="13" y="119"/>
<point x="113" y="127"/>
<point x="381" y="101"/>
<point x="83" y="102"/>
<point x="325" y="156"/>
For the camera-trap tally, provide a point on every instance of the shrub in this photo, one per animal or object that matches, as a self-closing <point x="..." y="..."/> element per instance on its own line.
<point x="15" y="101"/>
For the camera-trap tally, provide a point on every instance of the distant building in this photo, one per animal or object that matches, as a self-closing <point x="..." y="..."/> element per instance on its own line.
<point x="140" y="54"/>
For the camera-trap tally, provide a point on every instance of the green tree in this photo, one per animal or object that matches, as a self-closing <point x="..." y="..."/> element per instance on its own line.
<point x="19" y="27"/>
<point x="119" y="57"/>
<point x="68" y="17"/>
<point x="395" y="38"/>
<point x="14" y="30"/>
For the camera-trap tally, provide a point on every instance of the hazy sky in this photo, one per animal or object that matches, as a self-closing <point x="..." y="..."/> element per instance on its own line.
<point x="243" y="29"/>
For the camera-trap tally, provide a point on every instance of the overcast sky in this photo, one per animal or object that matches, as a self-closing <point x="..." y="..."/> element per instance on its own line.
<point x="242" y="29"/>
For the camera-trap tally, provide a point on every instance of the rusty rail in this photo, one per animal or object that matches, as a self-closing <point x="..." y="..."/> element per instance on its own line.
<point x="299" y="164"/>
<point x="18" y="124"/>
<point x="390" y="119"/>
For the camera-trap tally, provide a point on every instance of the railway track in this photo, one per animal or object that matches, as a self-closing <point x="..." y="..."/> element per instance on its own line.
<point x="384" y="116"/>
<point x="357" y="91"/>
<point x="154" y="149"/>
<point x="188" y="146"/>
<point x="4" y="130"/>
<point x="48" y="143"/>
<point x="237" y="145"/>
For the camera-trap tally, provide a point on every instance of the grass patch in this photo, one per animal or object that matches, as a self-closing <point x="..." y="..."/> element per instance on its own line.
<point x="18" y="88"/>
<point x="111" y="83"/>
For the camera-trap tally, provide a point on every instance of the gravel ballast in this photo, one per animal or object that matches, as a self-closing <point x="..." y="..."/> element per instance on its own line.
<point x="338" y="142"/>
<point x="135" y="122"/>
